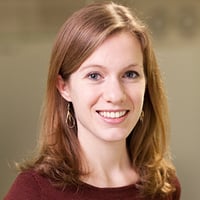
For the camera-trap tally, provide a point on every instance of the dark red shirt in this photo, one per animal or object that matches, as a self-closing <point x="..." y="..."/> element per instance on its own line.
<point x="32" y="186"/>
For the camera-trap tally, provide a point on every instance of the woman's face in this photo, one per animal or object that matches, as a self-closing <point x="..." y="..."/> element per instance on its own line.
<point x="107" y="91"/>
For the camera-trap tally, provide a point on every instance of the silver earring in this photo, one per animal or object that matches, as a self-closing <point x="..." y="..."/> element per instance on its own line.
<point x="142" y="116"/>
<point x="70" y="121"/>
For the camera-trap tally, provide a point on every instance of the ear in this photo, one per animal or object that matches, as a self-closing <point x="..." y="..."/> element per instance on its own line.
<point x="63" y="88"/>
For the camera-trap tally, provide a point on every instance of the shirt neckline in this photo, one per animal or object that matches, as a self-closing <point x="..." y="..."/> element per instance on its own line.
<point x="112" y="188"/>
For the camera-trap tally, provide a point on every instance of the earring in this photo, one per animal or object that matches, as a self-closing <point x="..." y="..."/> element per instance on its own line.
<point x="142" y="116"/>
<point x="70" y="121"/>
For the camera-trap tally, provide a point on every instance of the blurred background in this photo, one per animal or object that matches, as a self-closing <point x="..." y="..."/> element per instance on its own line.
<point x="27" y="32"/>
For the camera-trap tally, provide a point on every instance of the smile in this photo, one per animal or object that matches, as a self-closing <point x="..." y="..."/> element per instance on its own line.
<point x="112" y="114"/>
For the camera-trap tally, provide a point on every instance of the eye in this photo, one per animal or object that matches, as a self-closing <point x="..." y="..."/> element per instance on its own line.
<point x="131" y="74"/>
<point x="94" y="76"/>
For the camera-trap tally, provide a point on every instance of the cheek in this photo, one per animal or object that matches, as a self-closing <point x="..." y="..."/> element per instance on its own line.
<point x="83" y="97"/>
<point x="137" y="94"/>
<point x="139" y="100"/>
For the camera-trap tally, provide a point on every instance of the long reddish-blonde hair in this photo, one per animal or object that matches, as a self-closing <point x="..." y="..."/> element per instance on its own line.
<point x="59" y="154"/>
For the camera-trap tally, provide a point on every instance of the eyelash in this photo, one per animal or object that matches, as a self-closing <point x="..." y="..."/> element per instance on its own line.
<point x="94" y="76"/>
<point x="97" y="76"/>
<point x="134" y="74"/>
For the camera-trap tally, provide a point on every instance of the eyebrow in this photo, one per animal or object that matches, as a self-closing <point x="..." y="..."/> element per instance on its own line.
<point x="102" y="66"/>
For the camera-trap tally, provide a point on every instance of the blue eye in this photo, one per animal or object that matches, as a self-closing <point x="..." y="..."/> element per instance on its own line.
<point x="94" y="76"/>
<point x="131" y="74"/>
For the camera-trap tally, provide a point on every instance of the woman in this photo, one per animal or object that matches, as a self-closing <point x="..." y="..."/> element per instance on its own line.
<point x="105" y="125"/>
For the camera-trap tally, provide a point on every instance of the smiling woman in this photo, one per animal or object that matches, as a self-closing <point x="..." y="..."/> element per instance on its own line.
<point x="105" y="123"/>
<point x="111" y="89"/>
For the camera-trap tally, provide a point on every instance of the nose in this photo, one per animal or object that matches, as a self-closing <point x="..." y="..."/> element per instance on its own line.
<point x="114" y="91"/>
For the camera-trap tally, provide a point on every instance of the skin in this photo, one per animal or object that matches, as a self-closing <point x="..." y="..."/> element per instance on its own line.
<point x="107" y="93"/>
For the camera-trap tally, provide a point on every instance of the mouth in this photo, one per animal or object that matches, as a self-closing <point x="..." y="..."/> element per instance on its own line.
<point x="113" y="114"/>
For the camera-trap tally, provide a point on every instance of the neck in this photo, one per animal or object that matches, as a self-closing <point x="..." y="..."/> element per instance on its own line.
<point x="110" y="154"/>
<point x="108" y="164"/>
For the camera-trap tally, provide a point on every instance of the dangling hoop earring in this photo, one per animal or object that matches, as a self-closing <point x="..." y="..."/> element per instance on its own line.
<point x="142" y="116"/>
<point x="70" y="121"/>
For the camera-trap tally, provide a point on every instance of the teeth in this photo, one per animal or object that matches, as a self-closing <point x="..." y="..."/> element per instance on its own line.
<point x="112" y="114"/>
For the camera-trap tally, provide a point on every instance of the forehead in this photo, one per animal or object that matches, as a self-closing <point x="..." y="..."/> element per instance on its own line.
<point x="116" y="49"/>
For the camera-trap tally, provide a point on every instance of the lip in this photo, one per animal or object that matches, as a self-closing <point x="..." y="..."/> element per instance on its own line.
<point x="113" y="116"/>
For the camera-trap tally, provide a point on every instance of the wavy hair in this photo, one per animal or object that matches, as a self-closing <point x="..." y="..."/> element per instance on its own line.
<point x="59" y="155"/>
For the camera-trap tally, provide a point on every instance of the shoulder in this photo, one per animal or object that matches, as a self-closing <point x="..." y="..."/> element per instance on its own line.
<point x="31" y="185"/>
<point x="177" y="192"/>
<point x="27" y="185"/>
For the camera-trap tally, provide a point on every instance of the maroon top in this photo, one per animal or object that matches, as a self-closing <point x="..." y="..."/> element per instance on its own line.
<point x="32" y="186"/>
